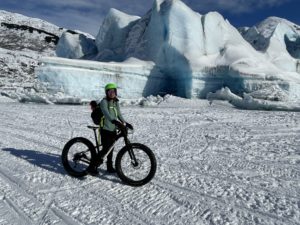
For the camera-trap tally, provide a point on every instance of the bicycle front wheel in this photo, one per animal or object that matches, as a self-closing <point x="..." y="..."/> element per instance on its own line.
<point x="136" y="164"/>
<point x="77" y="156"/>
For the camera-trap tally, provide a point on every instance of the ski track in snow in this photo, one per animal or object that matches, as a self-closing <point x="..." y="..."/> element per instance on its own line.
<point x="216" y="165"/>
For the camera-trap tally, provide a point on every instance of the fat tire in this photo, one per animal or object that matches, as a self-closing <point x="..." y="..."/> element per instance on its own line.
<point x="151" y="156"/>
<point x="64" y="156"/>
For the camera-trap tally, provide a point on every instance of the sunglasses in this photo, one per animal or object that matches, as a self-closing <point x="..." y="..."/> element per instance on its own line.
<point x="111" y="91"/>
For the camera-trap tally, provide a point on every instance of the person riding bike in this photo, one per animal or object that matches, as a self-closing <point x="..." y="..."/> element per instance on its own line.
<point x="110" y="121"/>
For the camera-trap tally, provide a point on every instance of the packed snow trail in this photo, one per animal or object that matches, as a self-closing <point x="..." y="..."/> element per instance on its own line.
<point x="216" y="165"/>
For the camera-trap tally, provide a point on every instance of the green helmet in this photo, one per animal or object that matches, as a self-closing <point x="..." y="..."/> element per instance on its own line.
<point x="110" y="86"/>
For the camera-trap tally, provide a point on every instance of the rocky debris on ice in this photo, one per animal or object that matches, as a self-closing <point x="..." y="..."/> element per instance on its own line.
<point x="23" y="41"/>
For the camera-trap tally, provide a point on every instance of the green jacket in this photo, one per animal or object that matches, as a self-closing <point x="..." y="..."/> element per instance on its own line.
<point x="111" y="111"/>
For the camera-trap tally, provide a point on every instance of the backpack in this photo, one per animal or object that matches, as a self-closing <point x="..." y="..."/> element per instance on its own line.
<point x="97" y="115"/>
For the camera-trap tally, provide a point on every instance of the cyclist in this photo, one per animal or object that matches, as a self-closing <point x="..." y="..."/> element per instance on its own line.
<point x="110" y="121"/>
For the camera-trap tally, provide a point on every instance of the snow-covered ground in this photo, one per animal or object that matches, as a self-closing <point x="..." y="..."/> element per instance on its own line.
<point x="216" y="165"/>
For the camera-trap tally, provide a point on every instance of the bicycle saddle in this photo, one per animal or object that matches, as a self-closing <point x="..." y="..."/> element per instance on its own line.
<point x="93" y="127"/>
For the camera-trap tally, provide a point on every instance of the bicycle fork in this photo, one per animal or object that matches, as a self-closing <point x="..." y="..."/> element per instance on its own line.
<point x="133" y="158"/>
<point x="134" y="161"/>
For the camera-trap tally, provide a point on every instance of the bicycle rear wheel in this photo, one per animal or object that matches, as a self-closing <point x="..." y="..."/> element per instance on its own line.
<point x="136" y="164"/>
<point x="77" y="156"/>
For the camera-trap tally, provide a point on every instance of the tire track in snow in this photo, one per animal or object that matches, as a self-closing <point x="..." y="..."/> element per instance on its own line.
<point x="33" y="128"/>
<point x="48" y="205"/>
<point x="278" y="170"/>
<point x="28" y="139"/>
<point x="100" y="207"/>
<point x="111" y="197"/>
<point x="32" y="205"/>
<point x="227" y="176"/>
<point x="35" y="136"/>
<point x="228" y="180"/>
<point x="135" y="216"/>
<point x="10" y="213"/>
<point x="20" y="198"/>
<point x="175" y="190"/>
<point x="155" y="205"/>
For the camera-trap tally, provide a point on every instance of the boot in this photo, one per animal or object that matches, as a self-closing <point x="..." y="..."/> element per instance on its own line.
<point x="110" y="167"/>
<point x="93" y="171"/>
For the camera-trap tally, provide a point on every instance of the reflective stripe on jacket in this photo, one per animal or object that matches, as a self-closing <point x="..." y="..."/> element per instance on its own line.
<point x="111" y="111"/>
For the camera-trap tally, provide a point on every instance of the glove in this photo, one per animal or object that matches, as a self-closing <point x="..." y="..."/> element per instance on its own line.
<point x="129" y="126"/>
<point x="118" y="124"/>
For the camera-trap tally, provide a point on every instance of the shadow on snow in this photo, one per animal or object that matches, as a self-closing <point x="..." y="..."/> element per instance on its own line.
<point x="50" y="162"/>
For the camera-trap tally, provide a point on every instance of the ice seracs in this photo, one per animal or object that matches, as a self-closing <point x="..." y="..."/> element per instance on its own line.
<point x="191" y="55"/>
<point x="74" y="45"/>
<point x="279" y="40"/>
<point x="111" y="38"/>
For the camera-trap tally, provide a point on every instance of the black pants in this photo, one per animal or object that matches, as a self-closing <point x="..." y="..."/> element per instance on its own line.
<point x="108" y="138"/>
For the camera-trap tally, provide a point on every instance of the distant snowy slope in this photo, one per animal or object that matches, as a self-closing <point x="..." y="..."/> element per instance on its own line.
<point x="18" y="19"/>
<point x="19" y="32"/>
<point x="23" y="41"/>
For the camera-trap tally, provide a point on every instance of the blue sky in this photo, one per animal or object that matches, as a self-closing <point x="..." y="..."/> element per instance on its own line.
<point x="87" y="15"/>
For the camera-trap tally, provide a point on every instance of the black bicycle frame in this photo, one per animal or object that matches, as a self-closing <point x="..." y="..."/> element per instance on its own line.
<point x="120" y="133"/>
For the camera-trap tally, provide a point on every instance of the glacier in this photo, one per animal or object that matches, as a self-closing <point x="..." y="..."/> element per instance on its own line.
<point x="75" y="45"/>
<point x="174" y="50"/>
<point x="87" y="78"/>
<point x="276" y="35"/>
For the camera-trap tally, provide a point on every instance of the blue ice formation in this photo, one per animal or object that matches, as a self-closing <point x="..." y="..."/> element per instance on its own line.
<point x="174" y="50"/>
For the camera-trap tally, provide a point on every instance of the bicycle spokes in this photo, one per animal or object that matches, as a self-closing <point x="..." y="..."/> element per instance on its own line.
<point x="79" y="160"/>
<point x="136" y="164"/>
<point x="82" y="156"/>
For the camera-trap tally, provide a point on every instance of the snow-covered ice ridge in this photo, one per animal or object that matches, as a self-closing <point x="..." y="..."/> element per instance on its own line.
<point x="87" y="78"/>
<point x="189" y="55"/>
